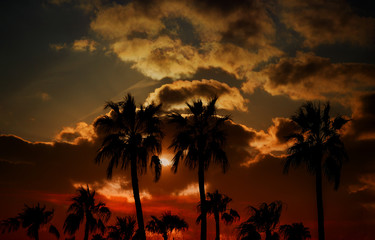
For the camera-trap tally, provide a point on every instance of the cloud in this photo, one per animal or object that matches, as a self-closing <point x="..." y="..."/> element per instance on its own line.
<point x="327" y="22"/>
<point x="44" y="96"/>
<point x="235" y="38"/>
<point x="81" y="132"/>
<point x="362" y="123"/>
<point x="176" y="94"/>
<point x="84" y="45"/>
<point x="308" y="76"/>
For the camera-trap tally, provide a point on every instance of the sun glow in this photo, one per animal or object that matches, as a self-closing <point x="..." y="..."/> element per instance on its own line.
<point x="165" y="162"/>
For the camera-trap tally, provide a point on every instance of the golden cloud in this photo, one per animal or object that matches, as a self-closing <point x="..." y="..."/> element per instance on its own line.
<point x="176" y="94"/>
<point x="81" y="132"/>
<point x="235" y="39"/>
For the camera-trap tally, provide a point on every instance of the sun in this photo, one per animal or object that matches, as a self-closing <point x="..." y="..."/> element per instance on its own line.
<point x="165" y="162"/>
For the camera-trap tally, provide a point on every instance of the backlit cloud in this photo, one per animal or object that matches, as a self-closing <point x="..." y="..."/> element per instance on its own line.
<point x="235" y="37"/>
<point x="176" y="94"/>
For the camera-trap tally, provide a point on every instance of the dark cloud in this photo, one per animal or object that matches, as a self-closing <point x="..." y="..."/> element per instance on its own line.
<point x="362" y="124"/>
<point x="322" y="22"/>
<point x="312" y="77"/>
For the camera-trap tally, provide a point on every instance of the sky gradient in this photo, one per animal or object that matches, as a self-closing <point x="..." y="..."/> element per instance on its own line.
<point x="61" y="60"/>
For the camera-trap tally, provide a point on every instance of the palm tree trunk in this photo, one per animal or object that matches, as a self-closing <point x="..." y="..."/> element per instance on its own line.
<point x="165" y="236"/>
<point x="217" y="222"/>
<point x="137" y="200"/>
<point x="319" y="202"/>
<point x="202" y="194"/>
<point x="37" y="235"/>
<point x="86" y="237"/>
<point x="268" y="235"/>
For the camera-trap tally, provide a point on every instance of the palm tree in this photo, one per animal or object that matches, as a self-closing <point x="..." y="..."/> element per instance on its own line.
<point x="199" y="141"/>
<point x="124" y="229"/>
<point x="85" y="208"/>
<point x="32" y="219"/>
<point x="318" y="146"/>
<point x="296" y="231"/>
<point x="98" y="237"/>
<point x="217" y="205"/>
<point x="265" y="218"/>
<point x="166" y="224"/>
<point x="133" y="137"/>
<point x="247" y="231"/>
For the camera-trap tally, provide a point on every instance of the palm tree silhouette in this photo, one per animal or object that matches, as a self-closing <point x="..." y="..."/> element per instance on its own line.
<point x="98" y="237"/>
<point x="216" y="204"/>
<point x="318" y="146"/>
<point x="247" y="231"/>
<point x="85" y="208"/>
<point x="124" y="229"/>
<point x="32" y="219"/>
<point x="199" y="140"/>
<point x="166" y="224"/>
<point x="264" y="218"/>
<point x="296" y="231"/>
<point x="133" y="138"/>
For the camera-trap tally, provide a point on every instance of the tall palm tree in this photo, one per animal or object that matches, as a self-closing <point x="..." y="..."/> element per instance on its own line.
<point x="318" y="146"/>
<point x="166" y="224"/>
<point x="198" y="142"/>
<point x="84" y="208"/>
<point x="264" y="218"/>
<point x="133" y="137"/>
<point x="216" y="204"/>
<point x="296" y="231"/>
<point x="32" y="219"/>
<point x="124" y="229"/>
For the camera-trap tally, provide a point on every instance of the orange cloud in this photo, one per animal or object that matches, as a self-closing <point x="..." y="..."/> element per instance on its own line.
<point x="176" y="94"/>
<point x="233" y="37"/>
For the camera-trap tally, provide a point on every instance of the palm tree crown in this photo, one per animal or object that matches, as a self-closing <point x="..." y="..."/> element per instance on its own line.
<point x="133" y="137"/>
<point x="216" y="204"/>
<point x="199" y="141"/>
<point x="124" y="229"/>
<point x="318" y="146"/>
<point x="85" y="208"/>
<point x="264" y="218"/>
<point x="32" y="219"/>
<point x="166" y="224"/>
<point x="296" y="231"/>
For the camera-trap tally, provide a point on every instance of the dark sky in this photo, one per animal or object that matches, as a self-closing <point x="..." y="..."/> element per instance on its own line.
<point x="61" y="60"/>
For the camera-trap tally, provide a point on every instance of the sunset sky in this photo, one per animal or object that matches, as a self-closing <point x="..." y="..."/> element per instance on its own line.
<point x="61" y="60"/>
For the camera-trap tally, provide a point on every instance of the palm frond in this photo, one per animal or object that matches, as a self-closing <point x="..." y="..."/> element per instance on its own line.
<point x="53" y="230"/>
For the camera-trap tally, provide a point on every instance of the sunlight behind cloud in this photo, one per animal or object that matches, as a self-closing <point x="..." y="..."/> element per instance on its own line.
<point x="116" y="188"/>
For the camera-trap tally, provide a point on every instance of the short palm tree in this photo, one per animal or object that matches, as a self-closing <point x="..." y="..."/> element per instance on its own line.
<point x="84" y="208"/>
<point x="296" y="231"/>
<point x="318" y="146"/>
<point x="32" y="219"/>
<point x="124" y="229"/>
<point x="247" y="231"/>
<point x="199" y="141"/>
<point x="265" y="218"/>
<point x="166" y="224"/>
<point x="98" y="237"/>
<point x="217" y="205"/>
<point x="133" y="138"/>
